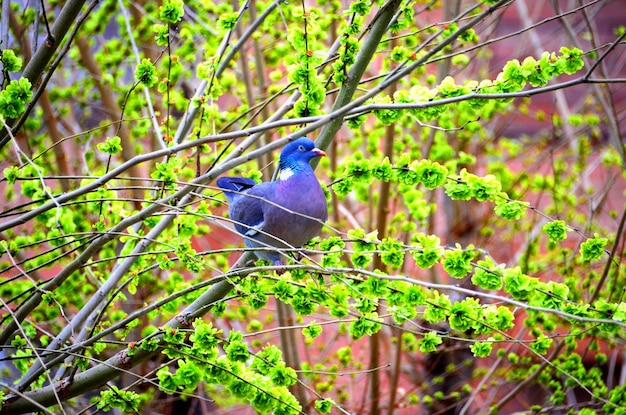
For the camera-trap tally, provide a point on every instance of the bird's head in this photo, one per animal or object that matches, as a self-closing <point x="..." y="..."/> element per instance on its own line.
<point x="299" y="151"/>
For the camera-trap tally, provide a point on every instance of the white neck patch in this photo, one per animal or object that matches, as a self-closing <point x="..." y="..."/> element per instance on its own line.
<point x="286" y="173"/>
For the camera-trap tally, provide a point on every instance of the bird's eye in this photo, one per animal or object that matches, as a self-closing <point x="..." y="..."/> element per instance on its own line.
<point x="301" y="148"/>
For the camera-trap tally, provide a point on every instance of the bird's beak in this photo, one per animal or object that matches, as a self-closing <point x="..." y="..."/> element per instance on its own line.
<point x="318" y="152"/>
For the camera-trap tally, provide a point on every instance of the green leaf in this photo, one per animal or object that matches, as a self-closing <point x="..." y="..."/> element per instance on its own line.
<point x="14" y="98"/>
<point x="283" y="289"/>
<point x="266" y="359"/>
<point x="112" y="145"/>
<point x="550" y="295"/>
<point x="484" y="188"/>
<point x="407" y="176"/>
<point x="392" y="252"/>
<point x="541" y="345"/>
<point x="324" y="406"/>
<point x="457" y="263"/>
<point x="458" y="190"/>
<point x="146" y="73"/>
<point x="162" y="34"/>
<point x="464" y="314"/>
<point x="519" y="285"/>
<point x="312" y="330"/>
<point x="302" y="303"/>
<point x="429" y="343"/>
<point x="243" y="389"/>
<point x="18" y="342"/>
<point x="173" y="336"/>
<point x="556" y="231"/>
<point x="427" y="251"/>
<point x="488" y="275"/>
<point x="437" y="307"/>
<point x="383" y="170"/>
<point x="375" y="287"/>
<point x="359" y="169"/>
<point x="343" y="186"/>
<point x="125" y="400"/>
<point x="282" y="375"/>
<point x="264" y="402"/>
<point x="205" y="337"/>
<point x="481" y="349"/>
<point x="167" y="171"/>
<point x="10" y="61"/>
<point x="361" y="259"/>
<point x="365" y="326"/>
<point x="620" y="313"/>
<point x="499" y="318"/>
<point x="219" y="372"/>
<point x="593" y="248"/>
<point x="431" y="174"/>
<point x="511" y="209"/>
<point x="172" y="11"/>
<point x="571" y="60"/>
<point x="386" y="116"/>
<point x="188" y="374"/>
<point x="11" y="174"/>
<point x="414" y="296"/>
<point x="360" y="7"/>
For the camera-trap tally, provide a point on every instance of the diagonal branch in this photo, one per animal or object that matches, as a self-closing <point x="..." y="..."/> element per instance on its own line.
<point x="378" y="29"/>
<point x="39" y="62"/>
<point x="108" y="370"/>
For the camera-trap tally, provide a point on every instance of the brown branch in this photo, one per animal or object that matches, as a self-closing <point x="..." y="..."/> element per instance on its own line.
<point x="39" y="62"/>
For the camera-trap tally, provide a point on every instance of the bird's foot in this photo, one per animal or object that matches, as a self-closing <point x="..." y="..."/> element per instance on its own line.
<point x="279" y="271"/>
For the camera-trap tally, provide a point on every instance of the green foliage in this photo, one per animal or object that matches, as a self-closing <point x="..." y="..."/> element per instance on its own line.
<point x="172" y="11"/>
<point x="519" y="285"/>
<point x="488" y="275"/>
<point x="167" y="172"/>
<point x="229" y="20"/>
<point x="126" y="401"/>
<point x="437" y="307"/>
<point x="457" y="263"/>
<point x="555" y="230"/>
<point x="365" y="326"/>
<point x="11" y="174"/>
<point x="427" y="250"/>
<point x="237" y="351"/>
<point x="464" y="314"/>
<point x="312" y="331"/>
<point x="14" y="97"/>
<point x="10" y="61"/>
<point x="112" y="145"/>
<point x="541" y="345"/>
<point x="161" y="34"/>
<point x="431" y="174"/>
<point x="593" y="248"/>
<point x="429" y="343"/>
<point x="324" y="406"/>
<point x="510" y="210"/>
<point x="481" y="349"/>
<point x="392" y="253"/>
<point x="146" y="73"/>
<point x="455" y="229"/>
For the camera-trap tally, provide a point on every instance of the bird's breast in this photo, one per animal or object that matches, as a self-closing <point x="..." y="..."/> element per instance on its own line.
<point x="299" y="209"/>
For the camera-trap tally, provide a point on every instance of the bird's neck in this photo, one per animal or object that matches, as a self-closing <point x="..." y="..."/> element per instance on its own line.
<point x="289" y="168"/>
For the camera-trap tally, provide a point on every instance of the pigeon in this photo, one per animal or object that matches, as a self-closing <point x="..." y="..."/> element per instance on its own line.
<point x="285" y="213"/>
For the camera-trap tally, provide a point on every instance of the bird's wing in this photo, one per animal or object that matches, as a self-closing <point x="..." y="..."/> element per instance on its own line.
<point x="247" y="210"/>
<point x="234" y="186"/>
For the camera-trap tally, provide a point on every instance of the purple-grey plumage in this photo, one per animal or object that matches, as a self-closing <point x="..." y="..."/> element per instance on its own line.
<point x="286" y="213"/>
